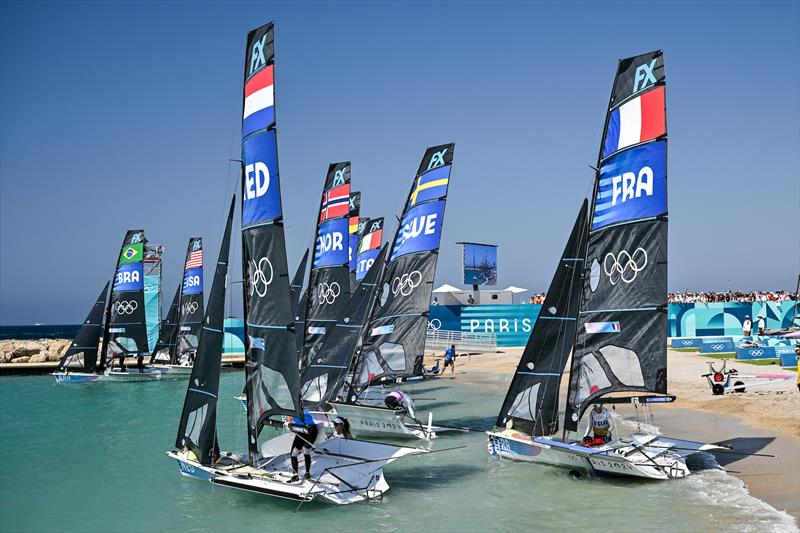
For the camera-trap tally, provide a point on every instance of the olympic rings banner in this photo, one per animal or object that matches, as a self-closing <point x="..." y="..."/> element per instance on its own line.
<point x="726" y="318"/>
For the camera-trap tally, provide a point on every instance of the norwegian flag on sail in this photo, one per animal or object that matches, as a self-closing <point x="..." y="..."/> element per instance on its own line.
<point x="195" y="260"/>
<point x="335" y="203"/>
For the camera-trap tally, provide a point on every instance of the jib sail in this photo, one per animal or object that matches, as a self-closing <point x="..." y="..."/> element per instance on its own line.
<point x="165" y="347"/>
<point x="394" y="340"/>
<point x="198" y="425"/>
<point x="329" y="279"/>
<point x="126" y="329"/>
<point x="152" y="294"/>
<point x="621" y="343"/>
<point x="191" y="305"/>
<point x="271" y="365"/>
<point x="531" y="403"/>
<point x="82" y="353"/>
<point x="370" y="237"/>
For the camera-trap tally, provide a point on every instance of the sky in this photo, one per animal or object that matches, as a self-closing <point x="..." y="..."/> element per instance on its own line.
<point x="126" y="115"/>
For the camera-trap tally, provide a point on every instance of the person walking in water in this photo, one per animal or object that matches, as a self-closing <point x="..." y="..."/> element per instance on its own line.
<point x="450" y="360"/>
<point x="600" y="424"/>
<point x="747" y="326"/>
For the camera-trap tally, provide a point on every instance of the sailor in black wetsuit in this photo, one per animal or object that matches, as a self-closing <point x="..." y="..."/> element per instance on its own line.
<point x="305" y="434"/>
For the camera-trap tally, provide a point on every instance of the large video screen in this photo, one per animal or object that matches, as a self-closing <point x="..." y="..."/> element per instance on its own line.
<point x="480" y="264"/>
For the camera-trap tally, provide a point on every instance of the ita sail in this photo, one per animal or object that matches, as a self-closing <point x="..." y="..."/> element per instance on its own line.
<point x="370" y="239"/>
<point x="395" y="335"/>
<point x="329" y="278"/>
<point x="197" y="430"/>
<point x="352" y="229"/>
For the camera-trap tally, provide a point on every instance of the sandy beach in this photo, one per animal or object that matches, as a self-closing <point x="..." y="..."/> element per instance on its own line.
<point x="764" y="421"/>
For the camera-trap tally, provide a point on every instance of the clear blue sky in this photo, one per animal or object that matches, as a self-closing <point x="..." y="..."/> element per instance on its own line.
<point x="115" y="116"/>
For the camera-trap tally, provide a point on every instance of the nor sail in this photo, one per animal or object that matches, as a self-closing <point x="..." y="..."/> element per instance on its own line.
<point x="394" y="339"/>
<point x="198" y="424"/>
<point x="621" y="331"/>
<point x="329" y="278"/>
<point x="271" y="365"/>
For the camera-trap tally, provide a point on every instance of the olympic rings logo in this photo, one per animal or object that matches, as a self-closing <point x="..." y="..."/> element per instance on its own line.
<point x="260" y="280"/>
<point x="687" y="343"/>
<point x="756" y="352"/>
<point x="406" y="283"/>
<point x="624" y="266"/>
<point x="434" y="325"/>
<point x="189" y="308"/>
<point x="126" y="307"/>
<point x="717" y="347"/>
<point x="327" y="294"/>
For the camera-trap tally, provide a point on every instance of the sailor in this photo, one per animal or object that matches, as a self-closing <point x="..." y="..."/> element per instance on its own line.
<point x="600" y="424"/>
<point x="305" y="433"/>
<point x="401" y="403"/>
<point x="341" y="428"/>
<point x="140" y="363"/>
<point x="761" y="325"/>
<point x="747" y="326"/>
<point x="450" y="359"/>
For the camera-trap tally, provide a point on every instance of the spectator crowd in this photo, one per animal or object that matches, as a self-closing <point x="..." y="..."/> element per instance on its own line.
<point x="730" y="296"/>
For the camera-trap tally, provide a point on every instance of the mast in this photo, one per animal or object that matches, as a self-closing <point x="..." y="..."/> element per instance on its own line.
<point x="370" y="238"/>
<point x="197" y="429"/>
<point x="394" y="340"/>
<point x="329" y="277"/>
<point x="169" y="330"/>
<point x="83" y="349"/>
<point x="127" y="327"/>
<point x="299" y="304"/>
<point x="190" y="308"/>
<point x="271" y="366"/>
<point x="353" y="226"/>
<point x="323" y="379"/>
<point x="621" y="330"/>
<point x="531" y="403"/>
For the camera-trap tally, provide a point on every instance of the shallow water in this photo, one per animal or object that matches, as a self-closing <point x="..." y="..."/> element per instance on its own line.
<point x="91" y="458"/>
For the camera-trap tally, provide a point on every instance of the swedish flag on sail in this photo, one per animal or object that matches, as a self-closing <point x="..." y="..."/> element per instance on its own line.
<point x="430" y="186"/>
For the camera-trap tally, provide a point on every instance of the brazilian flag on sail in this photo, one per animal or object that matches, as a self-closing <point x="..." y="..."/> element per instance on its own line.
<point x="131" y="253"/>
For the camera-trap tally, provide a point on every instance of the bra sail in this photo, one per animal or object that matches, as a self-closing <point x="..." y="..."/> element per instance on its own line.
<point x="531" y="403"/>
<point x="82" y="353"/>
<point x="190" y="310"/>
<point x="271" y="364"/>
<point x="329" y="279"/>
<point x="197" y="429"/>
<point x="622" y="327"/>
<point x="394" y="340"/>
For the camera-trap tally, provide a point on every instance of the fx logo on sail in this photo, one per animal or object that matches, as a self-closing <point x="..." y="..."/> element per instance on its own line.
<point x="257" y="59"/>
<point x="644" y="76"/>
<point x="437" y="159"/>
<point x="338" y="177"/>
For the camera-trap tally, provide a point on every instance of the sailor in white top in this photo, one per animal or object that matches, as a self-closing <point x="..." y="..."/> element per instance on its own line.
<point x="747" y="326"/>
<point x="600" y="423"/>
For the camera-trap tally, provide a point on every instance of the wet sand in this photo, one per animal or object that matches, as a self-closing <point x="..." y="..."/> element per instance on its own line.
<point x="764" y="420"/>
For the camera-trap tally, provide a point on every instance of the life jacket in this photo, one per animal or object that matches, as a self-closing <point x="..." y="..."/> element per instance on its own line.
<point x="601" y="422"/>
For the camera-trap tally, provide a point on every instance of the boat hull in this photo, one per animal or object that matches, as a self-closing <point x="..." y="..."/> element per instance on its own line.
<point x="107" y="377"/>
<point x="173" y="371"/>
<point x="74" y="377"/>
<point x="374" y="421"/>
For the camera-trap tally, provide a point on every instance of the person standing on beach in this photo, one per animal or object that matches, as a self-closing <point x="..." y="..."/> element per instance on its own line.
<point x="761" y="325"/>
<point x="747" y="326"/>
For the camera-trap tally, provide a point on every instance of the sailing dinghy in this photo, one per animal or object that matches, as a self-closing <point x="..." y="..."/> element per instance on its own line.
<point x="393" y="339"/>
<point x="342" y="470"/>
<point x="189" y="310"/>
<point x="607" y="304"/>
<point x="125" y="334"/>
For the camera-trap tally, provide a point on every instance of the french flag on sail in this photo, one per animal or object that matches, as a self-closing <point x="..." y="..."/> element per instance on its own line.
<point x="259" y="102"/>
<point x="638" y="120"/>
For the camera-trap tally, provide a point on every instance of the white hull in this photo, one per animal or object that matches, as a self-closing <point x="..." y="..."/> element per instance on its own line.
<point x="342" y="471"/>
<point x="640" y="455"/>
<point x="173" y="371"/>
<point x="376" y="421"/>
<point x="108" y="376"/>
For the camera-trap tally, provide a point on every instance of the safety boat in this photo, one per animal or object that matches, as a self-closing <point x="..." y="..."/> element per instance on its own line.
<point x="121" y="327"/>
<point x="607" y="306"/>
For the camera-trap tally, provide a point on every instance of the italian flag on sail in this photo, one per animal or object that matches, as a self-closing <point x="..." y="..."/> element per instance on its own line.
<point x="370" y="241"/>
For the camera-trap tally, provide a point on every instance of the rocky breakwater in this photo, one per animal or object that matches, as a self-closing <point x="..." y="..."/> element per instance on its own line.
<point x="37" y="351"/>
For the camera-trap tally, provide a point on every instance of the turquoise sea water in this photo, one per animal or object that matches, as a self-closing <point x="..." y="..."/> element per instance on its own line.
<point x="91" y="458"/>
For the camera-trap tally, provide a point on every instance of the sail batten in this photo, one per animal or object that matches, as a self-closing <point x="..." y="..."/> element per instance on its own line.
<point x="621" y="330"/>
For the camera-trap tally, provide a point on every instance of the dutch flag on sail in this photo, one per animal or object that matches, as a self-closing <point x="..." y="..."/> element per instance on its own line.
<point x="259" y="102"/>
<point x="638" y="120"/>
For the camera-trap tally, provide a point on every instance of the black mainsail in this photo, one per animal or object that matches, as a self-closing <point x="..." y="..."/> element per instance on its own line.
<point x="165" y="347"/>
<point x="395" y="335"/>
<point x="82" y="353"/>
<point x="271" y="365"/>
<point x="329" y="278"/>
<point x="197" y="430"/>
<point x="323" y="379"/>
<point x="531" y="403"/>
<point x="353" y="228"/>
<point x="126" y="324"/>
<point x="191" y="302"/>
<point x="621" y="335"/>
